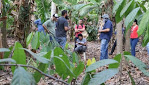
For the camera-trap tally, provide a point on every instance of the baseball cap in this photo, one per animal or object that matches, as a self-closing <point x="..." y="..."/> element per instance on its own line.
<point x="55" y="15"/>
<point x="105" y="16"/>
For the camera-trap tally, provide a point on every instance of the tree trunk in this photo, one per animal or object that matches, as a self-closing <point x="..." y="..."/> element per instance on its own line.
<point x="127" y="40"/>
<point x="1" y="54"/>
<point x="23" y="22"/>
<point x="119" y="38"/>
<point x="3" y="30"/>
<point x="53" y="9"/>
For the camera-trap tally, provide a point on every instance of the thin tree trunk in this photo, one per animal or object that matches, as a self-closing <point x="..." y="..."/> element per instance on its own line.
<point x="3" y="30"/>
<point x="119" y="38"/>
<point x="53" y="9"/>
<point x="1" y="54"/>
<point x="127" y="41"/>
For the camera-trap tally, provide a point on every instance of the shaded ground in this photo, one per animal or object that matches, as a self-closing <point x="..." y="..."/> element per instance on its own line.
<point x="94" y="51"/>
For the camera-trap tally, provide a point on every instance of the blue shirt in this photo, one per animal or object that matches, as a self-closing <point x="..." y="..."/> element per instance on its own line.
<point x="39" y="25"/>
<point x="107" y="35"/>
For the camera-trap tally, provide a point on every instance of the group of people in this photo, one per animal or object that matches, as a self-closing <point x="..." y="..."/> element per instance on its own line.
<point x="58" y="27"/>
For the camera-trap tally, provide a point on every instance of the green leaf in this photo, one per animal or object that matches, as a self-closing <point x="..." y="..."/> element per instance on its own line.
<point x="117" y="5"/>
<point x="22" y="77"/>
<point x="7" y="60"/>
<point x="86" y="9"/>
<point x="131" y="16"/>
<point x="62" y="68"/>
<point x="72" y="1"/>
<point x="127" y="53"/>
<point x="6" y="54"/>
<point x="138" y="64"/>
<point x="35" y="41"/>
<point x="118" y="59"/>
<point x="18" y="55"/>
<point x="43" y="67"/>
<point x="78" y="6"/>
<point x="118" y="17"/>
<point x="79" y="69"/>
<point x="4" y="50"/>
<point x="103" y="76"/>
<point x="39" y="57"/>
<point x="132" y="80"/>
<point x="143" y="23"/>
<point x="58" y="1"/>
<point x="86" y="79"/>
<point x="99" y="64"/>
<point x="29" y="38"/>
<point x="125" y="8"/>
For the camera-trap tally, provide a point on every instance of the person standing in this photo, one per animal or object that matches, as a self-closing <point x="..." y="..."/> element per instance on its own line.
<point x="134" y="37"/>
<point x="39" y="26"/>
<point x="105" y="36"/>
<point x="50" y="26"/>
<point x="61" y="29"/>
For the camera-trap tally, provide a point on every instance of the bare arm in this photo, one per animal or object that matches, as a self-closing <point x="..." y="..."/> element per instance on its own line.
<point x="81" y="29"/>
<point x="105" y="30"/>
<point x="45" y="28"/>
<point x="66" y="28"/>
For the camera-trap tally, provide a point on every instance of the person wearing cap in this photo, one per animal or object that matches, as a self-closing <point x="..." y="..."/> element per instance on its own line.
<point x="105" y="36"/>
<point x="50" y="25"/>
<point x="147" y="46"/>
<point x="61" y="29"/>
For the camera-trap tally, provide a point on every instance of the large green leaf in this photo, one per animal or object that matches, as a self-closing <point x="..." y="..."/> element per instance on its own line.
<point x="35" y="41"/>
<point x="131" y="16"/>
<point x="7" y="60"/>
<point x="43" y="67"/>
<point x="146" y="37"/>
<point x="72" y="1"/>
<point x="99" y="64"/>
<point x="117" y="5"/>
<point x="61" y="68"/>
<point x="86" y="9"/>
<point x="138" y="64"/>
<point x="39" y="57"/>
<point x="4" y="50"/>
<point x="143" y="23"/>
<point x="125" y="8"/>
<point x="18" y="55"/>
<point x="79" y="69"/>
<point x="118" y="17"/>
<point x="22" y="77"/>
<point x="78" y="6"/>
<point x="118" y="59"/>
<point x="29" y="38"/>
<point x="103" y="76"/>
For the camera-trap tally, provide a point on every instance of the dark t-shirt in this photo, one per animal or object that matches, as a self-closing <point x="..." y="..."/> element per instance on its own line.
<point x="61" y="23"/>
<point x="107" y="35"/>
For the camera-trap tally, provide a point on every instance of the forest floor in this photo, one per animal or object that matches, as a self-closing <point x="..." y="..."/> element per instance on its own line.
<point x="93" y="51"/>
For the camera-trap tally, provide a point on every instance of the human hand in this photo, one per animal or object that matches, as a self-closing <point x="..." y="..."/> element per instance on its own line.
<point x="99" y="31"/>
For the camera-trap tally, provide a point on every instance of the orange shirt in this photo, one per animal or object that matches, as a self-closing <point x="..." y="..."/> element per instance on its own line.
<point x="134" y="33"/>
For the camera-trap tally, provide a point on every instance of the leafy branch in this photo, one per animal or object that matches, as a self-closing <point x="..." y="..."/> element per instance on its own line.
<point x="51" y="77"/>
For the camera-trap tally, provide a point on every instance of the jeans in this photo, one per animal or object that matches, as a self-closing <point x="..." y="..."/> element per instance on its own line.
<point x="61" y="41"/>
<point x="133" y="43"/>
<point x="104" y="49"/>
<point x="80" y="49"/>
<point x="147" y="47"/>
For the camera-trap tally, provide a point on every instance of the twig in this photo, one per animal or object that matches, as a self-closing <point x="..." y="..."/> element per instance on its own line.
<point x="49" y="76"/>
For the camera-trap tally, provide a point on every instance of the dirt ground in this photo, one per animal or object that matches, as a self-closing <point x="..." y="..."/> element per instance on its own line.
<point x="94" y="51"/>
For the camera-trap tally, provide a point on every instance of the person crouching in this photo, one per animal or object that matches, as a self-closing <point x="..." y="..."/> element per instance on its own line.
<point x="81" y="44"/>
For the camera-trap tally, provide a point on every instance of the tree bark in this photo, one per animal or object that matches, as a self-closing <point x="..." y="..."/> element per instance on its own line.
<point x="3" y="30"/>
<point x="53" y="9"/>
<point x="127" y="40"/>
<point x="119" y="38"/>
<point x="1" y="54"/>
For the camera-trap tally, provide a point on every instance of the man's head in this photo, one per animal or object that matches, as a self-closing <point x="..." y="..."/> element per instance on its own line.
<point x="105" y="17"/>
<point x="80" y="21"/>
<point x="135" y="22"/>
<point x="80" y="36"/>
<point x="55" y="17"/>
<point x="64" y="13"/>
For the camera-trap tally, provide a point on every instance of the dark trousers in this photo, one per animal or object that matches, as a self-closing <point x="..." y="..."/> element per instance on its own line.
<point x="113" y="47"/>
<point x="75" y="41"/>
<point x="133" y="43"/>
